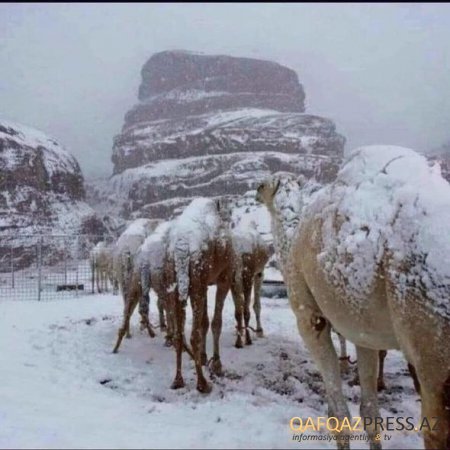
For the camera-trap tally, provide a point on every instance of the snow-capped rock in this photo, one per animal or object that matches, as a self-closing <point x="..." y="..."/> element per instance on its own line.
<point x="213" y="125"/>
<point x="41" y="191"/>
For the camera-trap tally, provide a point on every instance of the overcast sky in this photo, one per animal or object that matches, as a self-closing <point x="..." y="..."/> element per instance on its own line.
<point x="381" y="72"/>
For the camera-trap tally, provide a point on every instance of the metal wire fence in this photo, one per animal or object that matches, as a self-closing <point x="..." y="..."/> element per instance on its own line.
<point x="47" y="267"/>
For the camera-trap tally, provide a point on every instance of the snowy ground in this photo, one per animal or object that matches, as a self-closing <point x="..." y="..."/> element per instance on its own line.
<point x="60" y="386"/>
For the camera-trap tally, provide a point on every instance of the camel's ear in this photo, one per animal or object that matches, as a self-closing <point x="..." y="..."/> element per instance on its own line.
<point x="277" y="187"/>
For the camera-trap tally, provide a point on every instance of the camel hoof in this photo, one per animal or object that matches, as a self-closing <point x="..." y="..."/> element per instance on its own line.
<point x="116" y="350"/>
<point x="380" y="385"/>
<point x="260" y="333"/>
<point x="354" y="382"/>
<point x="151" y="333"/>
<point x="238" y="343"/>
<point x="216" y="367"/>
<point x="178" y="383"/>
<point x="344" y="367"/>
<point x="168" y="342"/>
<point x="204" y="388"/>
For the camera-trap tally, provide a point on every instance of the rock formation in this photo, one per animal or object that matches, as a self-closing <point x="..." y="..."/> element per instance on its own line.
<point x="41" y="193"/>
<point x="209" y="125"/>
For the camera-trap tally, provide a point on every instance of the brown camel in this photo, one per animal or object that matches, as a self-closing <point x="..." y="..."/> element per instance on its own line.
<point x="202" y="251"/>
<point x="254" y="254"/>
<point x="371" y="258"/>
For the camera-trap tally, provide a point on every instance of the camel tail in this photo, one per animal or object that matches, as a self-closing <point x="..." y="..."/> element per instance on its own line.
<point x="446" y="394"/>
<point x="145" y="285"/>
<point x="182" y="259"/>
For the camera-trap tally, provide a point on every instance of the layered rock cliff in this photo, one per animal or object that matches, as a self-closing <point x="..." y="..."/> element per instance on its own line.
<point x="212" y="125"/>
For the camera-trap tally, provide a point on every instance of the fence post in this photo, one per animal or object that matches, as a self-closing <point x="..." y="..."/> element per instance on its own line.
<point x="66" y="246"/>
<point x="76" y="264"/>
<point x="92" y="266"/>
<point x="12" y="266"/>
<point x="39" y="261"/>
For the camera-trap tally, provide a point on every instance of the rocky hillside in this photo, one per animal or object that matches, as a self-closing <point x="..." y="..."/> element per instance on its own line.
<point x="442" y="156"/>
<point x="212" y="125"/>
<point x="41" y="191"/>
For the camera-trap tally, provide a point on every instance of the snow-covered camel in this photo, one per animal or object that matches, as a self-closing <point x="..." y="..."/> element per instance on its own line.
<point x="254" y="254"/>
<point x="202" y="250"/>
<point x="124" y="251"/>
<point x="151" y="269"/>
<point x="371" y="257"/>
<point x="101" y="261"/>
<point x="285" y="209"/>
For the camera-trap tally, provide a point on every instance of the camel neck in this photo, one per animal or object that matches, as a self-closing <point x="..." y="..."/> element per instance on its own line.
<point x="280" y="238"/>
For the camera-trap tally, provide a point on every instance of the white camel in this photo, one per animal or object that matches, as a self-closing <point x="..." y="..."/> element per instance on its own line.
<point x="125" y="250"/>
<point x="293" y="193"/>
<point x="151" y="269"/>
<point x="101" y="260"/>
<point x="371" y="257"/>
<point x="253" y="254"/>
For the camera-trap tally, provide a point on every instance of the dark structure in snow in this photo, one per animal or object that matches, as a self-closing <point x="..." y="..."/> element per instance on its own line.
<point x="41" y="193"/>
<point x="210" y="125"/>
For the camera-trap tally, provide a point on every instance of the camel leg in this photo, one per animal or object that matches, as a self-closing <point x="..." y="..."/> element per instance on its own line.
<point x="177" y="315"/>
<point x="247" y="285"/>
<point x="144" y="313"/>
<point x="257" y="303"/>
<point x="105" y="280"/>
<point x="368" y="369"/>
<point x="130" y="305"/>
<point x="198" y="299"/>
<point x="143" y="286"/>
<point x="435" y="395"/>
<point x="115" y="285"/>
<point x="216" y="325"/>
<point x="93" y="278"/>
<point x="133" y="307"/>
<point x="430" y="359"/>
<point x="343" y="360"/>
<point x="97" y="273"/>
<point x="380" y="380"/>
<point x="413" y="373"/>
<point x="205" y="328"/>
<point x="316" y="334"/>
<point x="162" y="321"/>
<point x="169" y="319"/>
<point x="238" y="314"/>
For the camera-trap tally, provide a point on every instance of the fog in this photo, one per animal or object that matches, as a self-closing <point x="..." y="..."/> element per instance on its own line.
<point x="381" y="72"/>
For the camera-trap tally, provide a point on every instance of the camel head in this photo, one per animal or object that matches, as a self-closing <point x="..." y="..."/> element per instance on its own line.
<point x="224" y="207"/>
<point x="282" y="183"/>
<point x="267" y="190"/>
